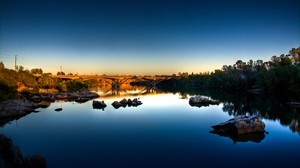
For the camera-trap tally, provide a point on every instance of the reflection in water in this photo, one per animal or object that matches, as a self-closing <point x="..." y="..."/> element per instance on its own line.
<point x="126" y="90"/>
<point x="252" y="137"/>
<point x="163" y="128"/>
<point x="267" y="107"/>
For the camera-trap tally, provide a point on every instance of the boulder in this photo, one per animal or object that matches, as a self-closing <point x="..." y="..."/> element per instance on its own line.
<point x="239" y="125"/>
<point x="36" y="99"/>
<point x="78" y="96"/>
<point x="98" y="104"/>
<point x="199" y="101"/>
<point x="44" y="104"/>
<point x="58" y="109"/>
<point x="123" y="101"/>
<point x="136" y="102"/>
<point x="117" y="104"/>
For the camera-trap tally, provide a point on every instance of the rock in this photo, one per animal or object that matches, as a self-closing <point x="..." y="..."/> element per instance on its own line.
<point x="123" y="101"/>
<point x="136" y="102"/>
<point x="16" y="108"/>
<point x="36" y="99"/>
<point x="58" y="109"/>
<point x="82" y="100"/>
<point x="239" y="125"/>
<point x="199" y="101"/>
<point x="37" y="161"/>
<point x="79" y="96"/>
<point x="129" y="102"/>
<point x="12" y="157"/>
<point x="99" y="104"/>
<point x="117" y="104"/>
<point x="61" y="96"/>
<point x="44" y="104"/>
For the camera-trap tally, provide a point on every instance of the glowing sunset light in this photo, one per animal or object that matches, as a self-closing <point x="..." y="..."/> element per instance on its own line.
<point x="144" y="37"/>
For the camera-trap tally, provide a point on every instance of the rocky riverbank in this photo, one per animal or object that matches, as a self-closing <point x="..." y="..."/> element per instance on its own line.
<point x="28" y="104"/>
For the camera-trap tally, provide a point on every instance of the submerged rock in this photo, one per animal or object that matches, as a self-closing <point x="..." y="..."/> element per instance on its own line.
<point x="239" y="125"/>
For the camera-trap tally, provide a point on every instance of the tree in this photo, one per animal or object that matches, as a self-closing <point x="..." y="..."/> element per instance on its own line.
<point x="2" y="66"/>
<point x="20" y="68"/>
<point x="295" y="53"/>
<point x="37" y="71"/>
<point x="60" y="73"/>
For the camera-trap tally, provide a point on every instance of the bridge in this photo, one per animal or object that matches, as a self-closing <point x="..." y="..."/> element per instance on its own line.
<point x="117" y="81"/>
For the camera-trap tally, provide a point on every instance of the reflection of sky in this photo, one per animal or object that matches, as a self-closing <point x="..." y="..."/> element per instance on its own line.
<point x="164" y="130"/>
<point x="139" y="37"/>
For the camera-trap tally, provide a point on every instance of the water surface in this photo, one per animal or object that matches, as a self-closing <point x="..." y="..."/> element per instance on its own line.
<point x="163" y="132"/>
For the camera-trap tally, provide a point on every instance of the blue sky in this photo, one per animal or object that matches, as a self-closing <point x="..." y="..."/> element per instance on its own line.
<point x="145" y="37"/>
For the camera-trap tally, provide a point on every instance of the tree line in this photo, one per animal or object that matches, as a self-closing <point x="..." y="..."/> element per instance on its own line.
<point x="278" y="76"/>
<point x="33" y="81"/>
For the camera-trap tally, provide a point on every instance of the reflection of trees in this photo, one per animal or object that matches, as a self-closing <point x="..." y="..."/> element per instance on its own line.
<point x="129" y="91"/>
<point x="252" y="137"/>
<point x="245" y="104"/>
<point x="272" y="109"/>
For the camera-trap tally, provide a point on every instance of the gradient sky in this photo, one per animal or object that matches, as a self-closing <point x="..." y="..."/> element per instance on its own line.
<point x="144" y="37"/>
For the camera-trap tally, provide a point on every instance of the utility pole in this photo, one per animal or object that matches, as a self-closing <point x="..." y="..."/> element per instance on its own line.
<point x="60" y="68"/>
<point x="16" y="57"/>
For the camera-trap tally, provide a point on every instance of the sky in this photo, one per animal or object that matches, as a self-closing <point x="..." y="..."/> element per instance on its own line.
<point x="139" y="37"/>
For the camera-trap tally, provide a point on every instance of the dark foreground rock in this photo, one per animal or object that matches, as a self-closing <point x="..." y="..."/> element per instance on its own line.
<point x="124" y="102"/>
<point x="99" y="104"/>
<point x="12" y="157"/>
<point x="239" y="125"/>
<point x="200" y="101"/>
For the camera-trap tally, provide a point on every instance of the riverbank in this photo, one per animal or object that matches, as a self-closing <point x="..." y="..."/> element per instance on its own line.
<point x="29" y="103"/>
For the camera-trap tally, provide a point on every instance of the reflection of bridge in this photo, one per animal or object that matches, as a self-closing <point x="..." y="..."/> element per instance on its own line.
<point x="117" y="81"/>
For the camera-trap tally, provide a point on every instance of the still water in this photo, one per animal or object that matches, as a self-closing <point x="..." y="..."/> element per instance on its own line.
<point x="165" y="131"/>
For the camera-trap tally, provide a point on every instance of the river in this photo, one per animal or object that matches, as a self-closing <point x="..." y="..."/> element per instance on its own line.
<point x="165" y="131"/>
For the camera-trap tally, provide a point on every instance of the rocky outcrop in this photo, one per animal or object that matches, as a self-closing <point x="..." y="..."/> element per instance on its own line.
<point x="117" y="105"/>
<point x="239" y="125"/>
<point x="42" y="97"/>
<point x="12" y="157"/>
<point x="135" y="102"/>
<point x="99" y="104"/>
<point x="200" y="101"/>
<point x="79" y="96"/>
<point x="16" y="108"/>
<point x="124" y="102"/>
